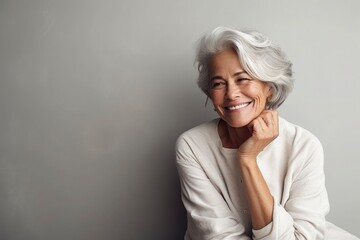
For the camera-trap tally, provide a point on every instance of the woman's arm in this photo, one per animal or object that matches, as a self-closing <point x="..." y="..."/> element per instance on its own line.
<point x="264" y="129"/>
<point x="259" y="198"/>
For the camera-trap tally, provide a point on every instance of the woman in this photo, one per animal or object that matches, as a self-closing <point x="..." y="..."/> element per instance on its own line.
<point x="250" y="174"/>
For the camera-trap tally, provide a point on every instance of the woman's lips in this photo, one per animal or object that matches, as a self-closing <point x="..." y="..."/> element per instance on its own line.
<point x="236" y="107"/>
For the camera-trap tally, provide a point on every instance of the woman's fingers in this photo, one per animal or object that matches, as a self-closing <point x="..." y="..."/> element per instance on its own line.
<point x="266" y="125"/>
<point x="259" y="125"/>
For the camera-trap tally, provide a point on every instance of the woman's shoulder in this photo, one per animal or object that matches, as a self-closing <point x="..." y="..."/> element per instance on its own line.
<point x="298" y="146"/>
<point x="200" y="136"/>
<point x="204" y="130"/>
<point x="296" y="134"/>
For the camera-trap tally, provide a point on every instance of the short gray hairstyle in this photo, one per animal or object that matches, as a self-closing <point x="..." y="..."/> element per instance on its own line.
<point x="260" y="58"/>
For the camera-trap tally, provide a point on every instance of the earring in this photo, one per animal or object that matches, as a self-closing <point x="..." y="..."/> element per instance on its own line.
<point x="206" y="101"/>
<point x="267" y="104"/>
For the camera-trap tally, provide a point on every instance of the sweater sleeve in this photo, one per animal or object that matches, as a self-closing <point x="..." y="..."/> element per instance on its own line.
<point x="209" y="217"/>
<point x="302" y="215"/>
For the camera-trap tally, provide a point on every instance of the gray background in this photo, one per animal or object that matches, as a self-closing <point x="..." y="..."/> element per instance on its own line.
<point x="93" y="95"/>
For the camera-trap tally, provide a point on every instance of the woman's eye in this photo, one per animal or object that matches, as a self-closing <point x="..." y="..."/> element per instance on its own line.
<point x="240" y="80"/>
<point x="217" y="85"/>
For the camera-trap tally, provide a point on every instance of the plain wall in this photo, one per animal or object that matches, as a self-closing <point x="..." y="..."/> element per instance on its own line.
<point x="93" y="95"/>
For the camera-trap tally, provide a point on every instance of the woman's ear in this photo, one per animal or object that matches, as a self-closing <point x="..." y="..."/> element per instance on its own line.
<point x="269" y="93"/>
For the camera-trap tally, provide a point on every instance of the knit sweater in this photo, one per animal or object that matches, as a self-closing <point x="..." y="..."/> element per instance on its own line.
<point x="213" y="192"/>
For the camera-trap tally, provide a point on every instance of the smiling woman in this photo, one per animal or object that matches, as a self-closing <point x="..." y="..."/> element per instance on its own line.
<point x="237" y="97"/>
<point x="250" y="174"/>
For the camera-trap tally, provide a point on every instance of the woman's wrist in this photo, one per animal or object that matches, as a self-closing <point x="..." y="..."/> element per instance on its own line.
<point x="247" y="160"/>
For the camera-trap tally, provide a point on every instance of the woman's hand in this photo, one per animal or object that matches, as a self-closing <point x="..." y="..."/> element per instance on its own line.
<point x="263" y="129"/>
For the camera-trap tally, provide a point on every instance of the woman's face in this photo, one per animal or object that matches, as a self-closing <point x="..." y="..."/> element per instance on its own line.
<point x="237" y="97"/>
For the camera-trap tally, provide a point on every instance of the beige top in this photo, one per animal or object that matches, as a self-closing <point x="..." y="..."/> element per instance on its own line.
<point x="214" y="196"/>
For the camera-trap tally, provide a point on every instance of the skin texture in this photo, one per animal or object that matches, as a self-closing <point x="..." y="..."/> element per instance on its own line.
<point x="246" y="125"/>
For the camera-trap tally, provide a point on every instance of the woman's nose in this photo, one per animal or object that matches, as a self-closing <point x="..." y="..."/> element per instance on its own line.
<point x="232" y="92"/>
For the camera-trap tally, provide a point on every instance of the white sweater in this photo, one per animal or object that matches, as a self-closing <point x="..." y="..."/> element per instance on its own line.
<point x="214" y="195"/>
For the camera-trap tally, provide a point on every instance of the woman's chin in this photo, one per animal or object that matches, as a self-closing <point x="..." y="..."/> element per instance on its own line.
<point x="237" y="123"/>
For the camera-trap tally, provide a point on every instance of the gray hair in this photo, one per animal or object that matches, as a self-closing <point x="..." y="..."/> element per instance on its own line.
<point x="260" y="58"/>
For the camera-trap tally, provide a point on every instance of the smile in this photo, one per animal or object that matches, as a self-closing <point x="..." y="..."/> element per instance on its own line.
<point x="231" y="108"/>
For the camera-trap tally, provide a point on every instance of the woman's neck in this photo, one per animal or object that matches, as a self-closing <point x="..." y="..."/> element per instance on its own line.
<point x="232" y="137"/>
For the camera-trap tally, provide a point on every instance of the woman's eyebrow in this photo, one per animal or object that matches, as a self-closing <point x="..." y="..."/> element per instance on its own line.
<point x="216" y="77"/>
<point x="239" y="73"/>
<point x="234" y="75"/>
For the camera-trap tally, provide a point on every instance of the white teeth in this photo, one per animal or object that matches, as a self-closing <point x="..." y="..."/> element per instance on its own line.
<point x="238" y="106"/>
